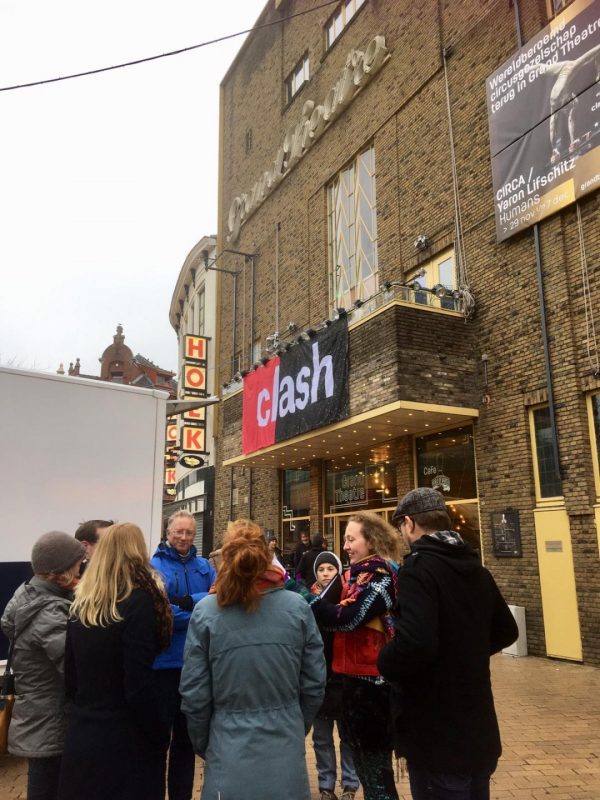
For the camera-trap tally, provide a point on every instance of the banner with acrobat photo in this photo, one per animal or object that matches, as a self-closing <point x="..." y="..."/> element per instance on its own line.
<point x="544" y="120"/>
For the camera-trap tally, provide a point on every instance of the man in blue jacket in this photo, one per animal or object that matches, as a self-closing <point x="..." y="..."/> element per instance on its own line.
<point x="187" y="578"/>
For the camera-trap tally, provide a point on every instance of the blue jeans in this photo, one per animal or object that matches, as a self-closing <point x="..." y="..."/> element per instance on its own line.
<point x="326" y="757"/>
<point x="42" y="778"/>
<point x="426" y="785"/>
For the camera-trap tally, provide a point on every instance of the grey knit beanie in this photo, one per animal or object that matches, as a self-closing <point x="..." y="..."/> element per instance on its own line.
<point x="55" y="552"/>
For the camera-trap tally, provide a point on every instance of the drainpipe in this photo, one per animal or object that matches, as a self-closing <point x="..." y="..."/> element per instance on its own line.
<point x="544" y="327"/>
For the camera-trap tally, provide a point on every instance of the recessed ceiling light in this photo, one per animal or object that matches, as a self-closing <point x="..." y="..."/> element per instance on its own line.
<point x="369" y="426"/>
<point x="405" y="430"/>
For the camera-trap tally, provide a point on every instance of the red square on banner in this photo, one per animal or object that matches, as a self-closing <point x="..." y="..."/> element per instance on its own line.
<point x="261" y="389"/>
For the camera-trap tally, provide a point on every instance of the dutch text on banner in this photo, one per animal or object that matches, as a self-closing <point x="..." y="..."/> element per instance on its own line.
<point x="544" y="120"/>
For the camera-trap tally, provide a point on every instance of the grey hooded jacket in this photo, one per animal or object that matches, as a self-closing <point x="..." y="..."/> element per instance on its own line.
<point x="37" y="616"/>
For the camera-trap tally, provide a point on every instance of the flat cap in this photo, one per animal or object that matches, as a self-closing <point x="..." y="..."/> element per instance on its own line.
<point x="418" y="501"/>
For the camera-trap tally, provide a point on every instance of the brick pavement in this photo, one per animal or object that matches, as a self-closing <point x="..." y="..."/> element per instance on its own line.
<point x="550" y="719"/>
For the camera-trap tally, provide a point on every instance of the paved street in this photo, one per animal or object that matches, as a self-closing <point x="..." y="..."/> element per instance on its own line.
<point x="550" y="719"/>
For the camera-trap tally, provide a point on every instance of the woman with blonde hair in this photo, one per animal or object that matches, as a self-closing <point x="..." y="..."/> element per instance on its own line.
<point x="253" y="676"/>
<point x="363" y="624"/>
<point x="35" y="621"/>
<point x="120" y="620"/>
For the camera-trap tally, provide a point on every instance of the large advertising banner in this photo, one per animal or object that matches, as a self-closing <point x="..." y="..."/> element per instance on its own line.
<point x="301" y="389"/>
<point x="544" y="120"/>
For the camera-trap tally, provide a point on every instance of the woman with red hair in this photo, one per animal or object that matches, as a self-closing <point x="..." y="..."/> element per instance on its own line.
<point x="253" y="677"/>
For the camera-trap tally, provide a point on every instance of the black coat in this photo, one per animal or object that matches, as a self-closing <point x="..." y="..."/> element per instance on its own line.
<point x="450" y="618"/>
<point x="305" y="569"/>
<point x="115" y="733"/>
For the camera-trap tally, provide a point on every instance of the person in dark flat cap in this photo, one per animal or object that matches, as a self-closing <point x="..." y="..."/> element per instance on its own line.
<point x="35" y="622"/>
<point x="451" y="618"/>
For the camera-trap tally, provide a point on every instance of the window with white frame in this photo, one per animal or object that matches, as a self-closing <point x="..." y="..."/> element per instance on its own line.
<point x="352" y="232"/>
<point x="298" y="77"/>
<point x="340" y="18"/>
<point x="439" y="271"/>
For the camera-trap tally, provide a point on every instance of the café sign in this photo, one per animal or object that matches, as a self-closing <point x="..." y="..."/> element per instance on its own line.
<point x="358" y="70"/>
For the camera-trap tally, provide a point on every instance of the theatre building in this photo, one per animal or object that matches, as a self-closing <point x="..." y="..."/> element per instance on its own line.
<point x="409" y="235"/>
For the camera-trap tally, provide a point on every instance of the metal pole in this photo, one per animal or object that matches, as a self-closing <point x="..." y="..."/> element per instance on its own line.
<point x="547" y="366"/>
<point x="518" y="23"/>
<point x="235" y="277"/>
<point x="277" y="225"/>
<point x="252" y="302"/>
<point x="544" y="327"/>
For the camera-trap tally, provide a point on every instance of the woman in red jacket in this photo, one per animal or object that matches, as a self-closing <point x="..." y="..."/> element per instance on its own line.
<point x="362" y="624"/>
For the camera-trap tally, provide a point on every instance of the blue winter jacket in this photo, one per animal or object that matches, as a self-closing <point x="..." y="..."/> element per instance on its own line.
<point x="191" y="575"/>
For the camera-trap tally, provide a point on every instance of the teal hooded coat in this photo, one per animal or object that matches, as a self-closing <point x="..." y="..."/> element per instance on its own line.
<point x="251" y="685"/>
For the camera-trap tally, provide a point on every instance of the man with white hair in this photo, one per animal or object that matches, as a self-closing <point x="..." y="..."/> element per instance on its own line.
<point x="187" y="578"/>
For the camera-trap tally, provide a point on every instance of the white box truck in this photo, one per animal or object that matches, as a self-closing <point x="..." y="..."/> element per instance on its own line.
<point x="73" y="449"/>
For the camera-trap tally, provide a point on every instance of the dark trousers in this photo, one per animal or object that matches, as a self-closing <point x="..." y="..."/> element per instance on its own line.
<point x="365" y="718"/>
<point x="425" y="785"/>
<point x="42" y="778"/>
<point x="180" y="779"/>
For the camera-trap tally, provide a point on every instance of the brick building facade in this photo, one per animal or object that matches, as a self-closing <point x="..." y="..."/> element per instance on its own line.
<point x="375" y="186"/>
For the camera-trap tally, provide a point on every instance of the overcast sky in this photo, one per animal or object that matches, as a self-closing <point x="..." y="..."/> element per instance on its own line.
<point x="107" y="181"/>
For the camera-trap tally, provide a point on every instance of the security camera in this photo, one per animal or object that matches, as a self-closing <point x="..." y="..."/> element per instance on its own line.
<point x="422" y="242"/>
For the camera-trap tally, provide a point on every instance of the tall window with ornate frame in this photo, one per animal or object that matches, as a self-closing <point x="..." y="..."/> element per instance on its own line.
<point x="352" y="232"/>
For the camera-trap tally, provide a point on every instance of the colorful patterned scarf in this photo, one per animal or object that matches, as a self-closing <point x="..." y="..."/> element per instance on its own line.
<point x="361" y="575"/>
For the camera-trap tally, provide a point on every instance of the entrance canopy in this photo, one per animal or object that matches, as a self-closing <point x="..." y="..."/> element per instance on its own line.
<point x="342" y="440"/>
